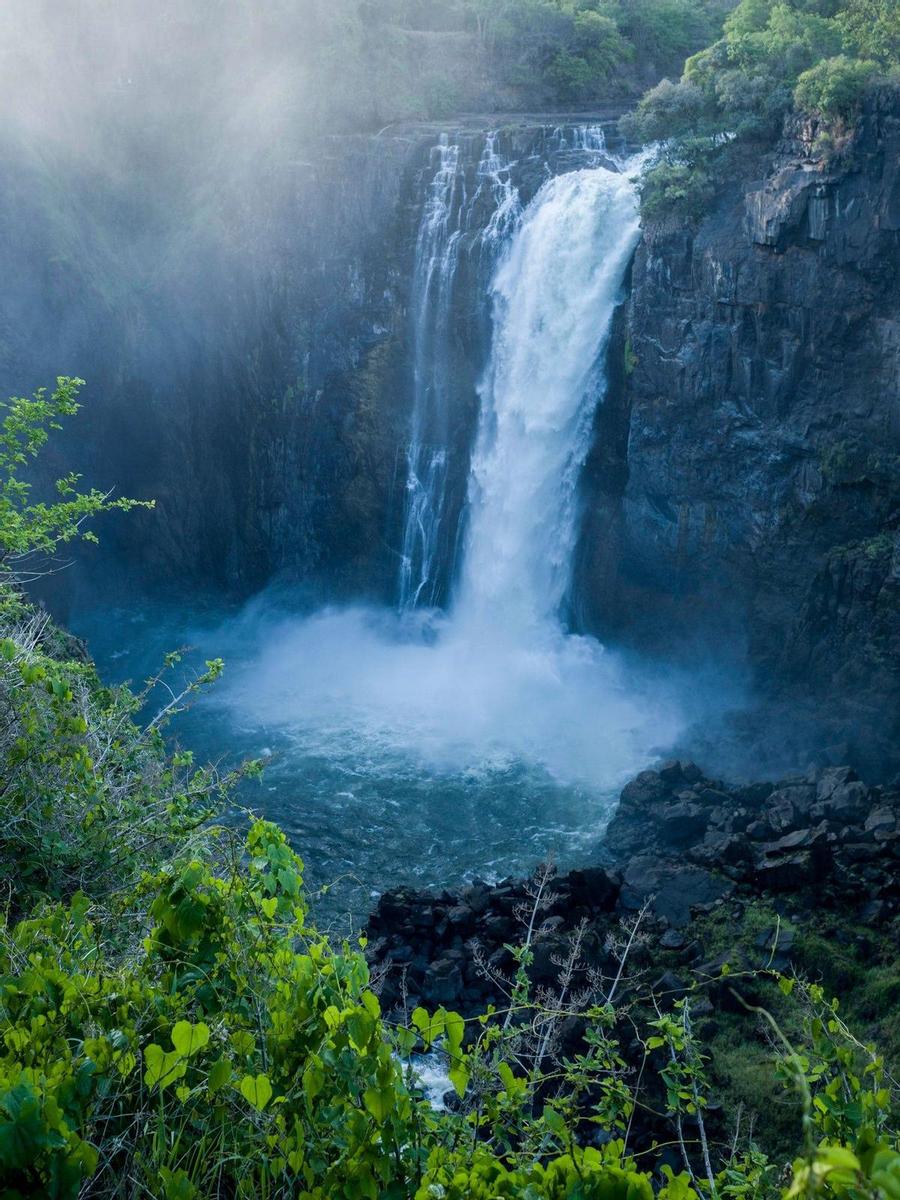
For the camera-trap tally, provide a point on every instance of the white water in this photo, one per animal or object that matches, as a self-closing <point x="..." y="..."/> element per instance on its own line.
<point x="447" y="217"/>
<point x="437" y="259"/>
<point x="488" y="729"/>
<point x="554" y="296"/>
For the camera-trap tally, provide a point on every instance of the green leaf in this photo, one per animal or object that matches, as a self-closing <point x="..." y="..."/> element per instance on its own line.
<point x="177" y="1185"/>
<point x="554" y="1120"/>
<point x="361" y="1028"/>
<point x="454" y="1029"/>
<point x="189" y="1039"/>
<point x="219" y="1075"/>
<point x="459" y="1077"/>
<point x="512" y="1085"/>
<point x="243" y="1042"/>
<point x="162" y="1068"/>
<point x="406" y="1042"/>
<point x="313" y="1080"/>
<point x="429" y="1027"/>
<point x="371" y="1005"/>
<point x="256" y="1090"/>
<point x="379" y="1101"/>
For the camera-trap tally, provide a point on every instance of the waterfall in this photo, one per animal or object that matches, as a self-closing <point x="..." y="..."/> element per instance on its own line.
<point x="491" y="695"/>
<point x="446" y="231"/>
<point x="554" y="295"/>
<point x="475" y="218"/>
<point x="437" y="251"/>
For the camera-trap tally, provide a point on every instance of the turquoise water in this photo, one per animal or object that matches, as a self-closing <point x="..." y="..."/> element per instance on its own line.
<point x="379" y="766"/>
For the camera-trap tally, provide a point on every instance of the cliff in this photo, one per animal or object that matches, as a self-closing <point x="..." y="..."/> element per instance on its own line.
<point x="246" y="339"/>
<point x="743" y="496"/>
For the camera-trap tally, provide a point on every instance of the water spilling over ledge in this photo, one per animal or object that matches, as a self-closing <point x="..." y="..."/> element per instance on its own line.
<point x="486" y="724"/>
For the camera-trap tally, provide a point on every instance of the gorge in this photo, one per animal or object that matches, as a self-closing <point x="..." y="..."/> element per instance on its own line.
<point x="461" y="249"/>
<point x="475" y="732"/>
<point x="450" y="645"/>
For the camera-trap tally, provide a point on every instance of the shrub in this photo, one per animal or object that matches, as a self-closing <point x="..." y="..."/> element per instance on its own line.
<point x="675" y="189"/>
<point x="89" y="798"/>
<point x="666" y="111"/>
<point x="873" y="28"/>
<point x="231" y="1050"/>
<point x="817" y="55"/>
<point x="28" y="528"/>
<point x="835" y="87"/>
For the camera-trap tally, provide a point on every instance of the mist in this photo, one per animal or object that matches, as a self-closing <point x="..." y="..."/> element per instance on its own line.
<point x="371" y="682"/>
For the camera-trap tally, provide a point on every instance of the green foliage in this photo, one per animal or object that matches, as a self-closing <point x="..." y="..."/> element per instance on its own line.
<point x="674" y="188"/>
<point x="597" y="49"/>
<point x="527" y="52"/>
<point x="834" y="87"/>
<point x="820" y="56"/>
<point x="26" y="527"/>
<point x="667" y="110"/>
<point x="872" y="27"/>
<point x="233" y="1051"/>
<point x="89" y="799"/>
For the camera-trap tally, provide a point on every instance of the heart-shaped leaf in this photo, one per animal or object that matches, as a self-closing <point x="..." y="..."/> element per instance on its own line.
<point x="162" y="1068"/>
<point x="189" y="1039"/>
<point x="459" y="1077"/>
<point x="256" y="1090"/>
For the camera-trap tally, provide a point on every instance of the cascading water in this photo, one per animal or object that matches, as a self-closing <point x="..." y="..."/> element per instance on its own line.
<point x="437" y="257"/>
<point x="432" y="744"/>
<point x="446" y="231"/>
<point x="554" y="296"/>
<point x="476" y="222"/>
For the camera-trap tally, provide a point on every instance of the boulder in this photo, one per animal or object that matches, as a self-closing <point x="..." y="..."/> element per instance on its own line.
<point x="443" y="981"/>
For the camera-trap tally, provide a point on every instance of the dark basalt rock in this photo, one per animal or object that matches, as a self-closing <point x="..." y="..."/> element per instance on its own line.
<point x="683" y="845"/>
<point x="744" y="495"/>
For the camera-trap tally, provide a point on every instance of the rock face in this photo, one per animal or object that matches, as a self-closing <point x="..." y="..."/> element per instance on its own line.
<point x="679" y="845"/>
<point x="248" y="347"/>
<point x="745" y="490"/>
<point x="239" y="348"/>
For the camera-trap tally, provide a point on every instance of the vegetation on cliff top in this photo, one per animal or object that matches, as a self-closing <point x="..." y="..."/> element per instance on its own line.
<point x="174" y="1026"/>
<point x="554" y="52"/>
<point x="774" y="56"/>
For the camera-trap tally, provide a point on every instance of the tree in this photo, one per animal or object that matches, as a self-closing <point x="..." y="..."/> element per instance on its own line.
<point x="873" y="26"/>
<point x="28" y="528"/>
<point x="834" y="87"/>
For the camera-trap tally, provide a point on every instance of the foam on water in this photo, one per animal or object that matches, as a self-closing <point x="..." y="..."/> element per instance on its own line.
<point x="373" y="687"/>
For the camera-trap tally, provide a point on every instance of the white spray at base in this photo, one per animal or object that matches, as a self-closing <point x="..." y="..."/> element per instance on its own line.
<point x="498" y="681"/>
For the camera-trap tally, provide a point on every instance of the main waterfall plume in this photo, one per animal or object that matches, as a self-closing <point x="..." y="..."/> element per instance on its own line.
<point x="554" y="293"/>
<point x="468" y="222"/>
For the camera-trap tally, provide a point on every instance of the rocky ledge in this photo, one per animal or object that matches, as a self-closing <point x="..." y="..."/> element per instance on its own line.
<point x="679" y="847"/>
